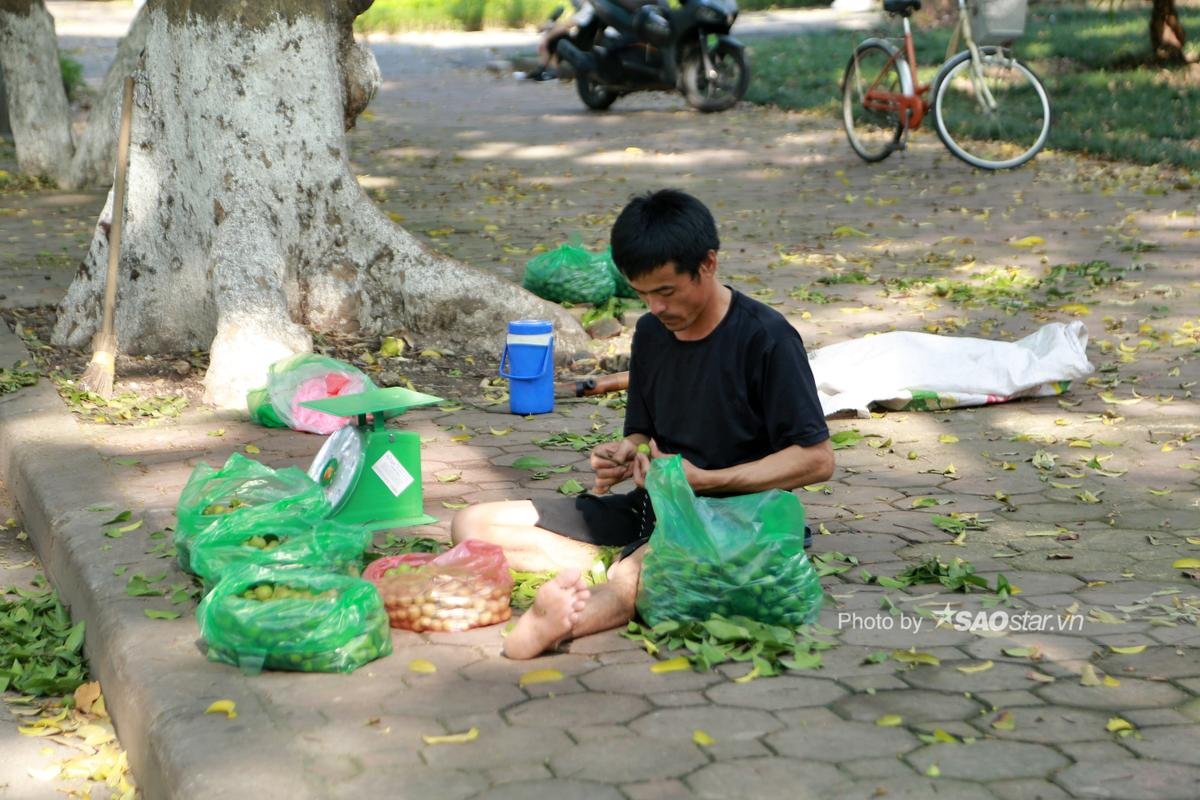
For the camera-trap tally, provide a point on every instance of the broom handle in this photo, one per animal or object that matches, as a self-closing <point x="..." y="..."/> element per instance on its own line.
<point x="114" y="239"/>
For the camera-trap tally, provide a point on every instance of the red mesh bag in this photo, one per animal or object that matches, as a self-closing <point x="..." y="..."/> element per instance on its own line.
<point x="468" y="586"/>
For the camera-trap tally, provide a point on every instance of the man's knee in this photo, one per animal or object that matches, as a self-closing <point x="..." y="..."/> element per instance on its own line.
<point x="468" y="523"/>
<point x="625" y="576"/>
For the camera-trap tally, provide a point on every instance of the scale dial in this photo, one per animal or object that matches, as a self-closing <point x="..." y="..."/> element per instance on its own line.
<point x="338" y="463"/>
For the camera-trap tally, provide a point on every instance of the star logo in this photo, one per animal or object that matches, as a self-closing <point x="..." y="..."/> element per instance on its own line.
<point x="942" y="618"/>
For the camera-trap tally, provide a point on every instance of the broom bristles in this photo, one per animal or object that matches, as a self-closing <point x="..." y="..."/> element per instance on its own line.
<point x="98" y="377"/>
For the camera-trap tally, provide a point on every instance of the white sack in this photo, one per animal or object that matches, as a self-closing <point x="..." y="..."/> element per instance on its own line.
<point x="910" y="370"/>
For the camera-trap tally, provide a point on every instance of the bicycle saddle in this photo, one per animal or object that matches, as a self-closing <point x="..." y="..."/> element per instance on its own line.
<point x="902" y="7"/>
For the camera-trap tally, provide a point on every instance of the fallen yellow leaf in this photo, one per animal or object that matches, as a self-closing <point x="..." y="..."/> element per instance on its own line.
<point x="913" y="657"/>
<point x="1088" y="676"/>
<point x="749" y="676"/>
<point x="889" y="721"/>
<point x="671" y="665"/>
<point x="1186" y="563"/>
<point x="1004" y="721"/>
<point x="453" y="738"/>
<point x="703" y="739"/>
<point x="226" y="707"/>
<point x="947" y="438"/>
<point x="1111" y="682"/>
<point x="252" y="449"/>
<point x="1117" y="724"/>
<point x="422" y="666"/>
<point x="973" y="668"/>
<point x="540" y="676"/>
<point x="1078" y="309"/>
<point x="1128" y="651"/>
<point x="847" y="230"/>
<point x="1029" y="241"/>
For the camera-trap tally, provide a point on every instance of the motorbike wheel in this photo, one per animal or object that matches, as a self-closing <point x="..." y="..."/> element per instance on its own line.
<point x="724" y="89"/>
<point x="594" y="95"/>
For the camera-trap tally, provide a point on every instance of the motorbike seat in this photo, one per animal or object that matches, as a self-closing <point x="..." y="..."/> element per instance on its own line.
<point x="619" y="13"/>
<point x="904" y="8"/>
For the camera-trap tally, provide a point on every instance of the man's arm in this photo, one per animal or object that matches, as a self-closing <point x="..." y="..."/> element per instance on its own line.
<point x="789" y="468"/>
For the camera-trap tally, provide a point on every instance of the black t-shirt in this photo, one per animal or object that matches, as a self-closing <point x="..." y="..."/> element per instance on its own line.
<point x="743" y="392"/>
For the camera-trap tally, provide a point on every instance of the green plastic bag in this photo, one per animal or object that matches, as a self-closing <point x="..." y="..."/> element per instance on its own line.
<point x="569" y="274"/>
<point x="286" y="539"/>
<point x="343" y="627"/>
<point x="243" y="489"/>
<point x="622" y="286"/>
<point x="741" y="555"/>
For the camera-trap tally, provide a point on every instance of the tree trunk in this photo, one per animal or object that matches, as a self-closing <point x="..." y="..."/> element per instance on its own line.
<point x="1166" y="32"/>
<point x="37" y="102"/>
<point x="92" y="164"/>
<point x="245" y="227"/>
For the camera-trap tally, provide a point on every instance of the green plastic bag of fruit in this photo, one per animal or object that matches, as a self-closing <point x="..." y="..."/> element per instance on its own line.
<point x="740" y="555"/>
<point x="569" y="274"/>
<point x="621" y="284"/>
<point x="294" y="539"/>
<point x="243" y="489"/>
<point x="293" y="618"/>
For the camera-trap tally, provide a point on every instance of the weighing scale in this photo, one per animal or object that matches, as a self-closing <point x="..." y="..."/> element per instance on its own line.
<point x="372" y="475"/>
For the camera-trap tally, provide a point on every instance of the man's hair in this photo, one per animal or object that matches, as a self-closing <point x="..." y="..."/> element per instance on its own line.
<point x="663" y="227"/>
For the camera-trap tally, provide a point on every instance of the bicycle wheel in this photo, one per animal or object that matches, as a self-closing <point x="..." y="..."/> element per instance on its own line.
<point x="1002" y="135"/>
<point x="873" y="126"/>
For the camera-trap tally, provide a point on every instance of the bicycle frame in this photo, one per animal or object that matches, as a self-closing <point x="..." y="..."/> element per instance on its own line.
<point x="911" y="108"/>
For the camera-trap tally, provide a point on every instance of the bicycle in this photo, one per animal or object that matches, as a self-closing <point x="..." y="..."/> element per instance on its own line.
<point x="990" y="110"/>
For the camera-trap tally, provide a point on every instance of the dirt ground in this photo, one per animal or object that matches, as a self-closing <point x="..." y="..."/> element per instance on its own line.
<point x="491" y="171"/>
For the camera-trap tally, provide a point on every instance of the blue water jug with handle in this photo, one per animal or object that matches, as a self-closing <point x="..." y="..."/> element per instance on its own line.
<point x="528" y="363"/>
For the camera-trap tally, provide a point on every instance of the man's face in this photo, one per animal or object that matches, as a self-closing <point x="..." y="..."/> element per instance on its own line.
<point x="676" y="298"/>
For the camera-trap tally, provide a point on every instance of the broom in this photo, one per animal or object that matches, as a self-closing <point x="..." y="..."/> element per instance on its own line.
<point x="98" y="377"/>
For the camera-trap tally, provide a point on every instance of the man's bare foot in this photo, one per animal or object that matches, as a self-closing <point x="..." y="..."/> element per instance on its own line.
<point x="554" y="613"/>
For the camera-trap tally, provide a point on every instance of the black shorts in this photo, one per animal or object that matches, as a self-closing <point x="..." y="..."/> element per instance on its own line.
<point x="610" y="520"/>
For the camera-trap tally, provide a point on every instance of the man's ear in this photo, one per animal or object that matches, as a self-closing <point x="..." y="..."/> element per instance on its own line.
<point x="708" y="267"/>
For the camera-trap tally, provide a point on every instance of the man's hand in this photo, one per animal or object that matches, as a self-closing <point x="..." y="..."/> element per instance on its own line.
<point x="613" y="462"/>
<point x="641" y="466"/>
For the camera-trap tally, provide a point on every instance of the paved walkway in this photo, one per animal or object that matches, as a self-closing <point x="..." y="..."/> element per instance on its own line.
<point x="1083" y="502"/>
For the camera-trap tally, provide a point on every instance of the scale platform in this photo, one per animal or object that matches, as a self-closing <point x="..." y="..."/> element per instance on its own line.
<point x="372" y="475"/>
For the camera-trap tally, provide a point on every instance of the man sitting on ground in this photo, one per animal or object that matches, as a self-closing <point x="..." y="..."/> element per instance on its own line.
<point x="715" y="376"/>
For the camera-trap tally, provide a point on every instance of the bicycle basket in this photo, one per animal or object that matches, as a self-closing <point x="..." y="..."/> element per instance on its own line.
<point x="997" y="21"/>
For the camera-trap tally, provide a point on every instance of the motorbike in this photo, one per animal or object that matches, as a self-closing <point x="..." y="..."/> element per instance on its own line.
<point x="657" y="48"/>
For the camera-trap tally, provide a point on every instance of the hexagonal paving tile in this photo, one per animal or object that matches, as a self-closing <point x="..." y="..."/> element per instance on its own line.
<point x="948" y="678"/>
<point x="1131" y="779"/>
<point x="1048" y="725"/>
<point x="723" y="724"/>
<point x="914" y="787"/>
<point x="558" y="789"/>
<point x="500" y="747"/>
<point x="989" y="760"/>
<point x="767" y="778"/>
<point x="781" y="692"/>
<point x="636" y="678"/>
<point x="843" y="741"/>
<point x="1168" y="743"/>
<point x="628" y="759"/>
<point x="1157" y="662"/>
<point x="577" y="709"/>
<point x="914" y="705"/>
<point x="1132" y="693"/>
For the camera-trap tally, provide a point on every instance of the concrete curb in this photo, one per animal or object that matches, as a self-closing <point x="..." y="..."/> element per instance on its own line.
<point x="155" y="693"/>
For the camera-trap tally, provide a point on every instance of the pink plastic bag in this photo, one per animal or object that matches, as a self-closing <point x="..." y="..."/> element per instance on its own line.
<point x="468" y="586"/>
<point x="333" y="384"/>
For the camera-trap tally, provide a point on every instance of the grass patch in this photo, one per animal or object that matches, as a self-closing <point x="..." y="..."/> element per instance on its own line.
<point x="395" y="16"/>
<point x="1105" y="100"/>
